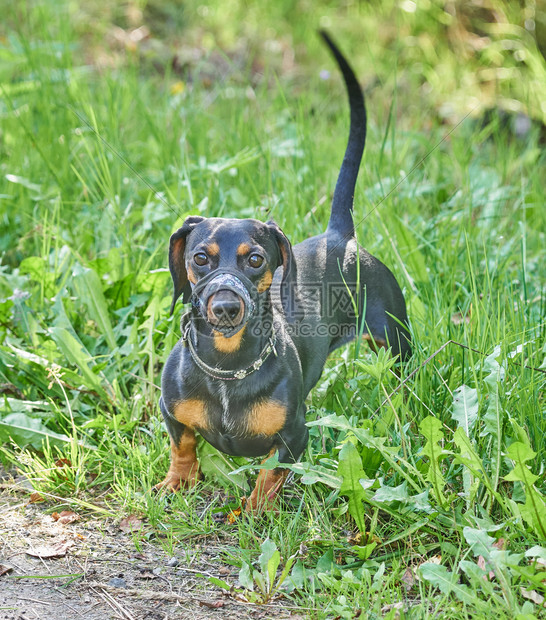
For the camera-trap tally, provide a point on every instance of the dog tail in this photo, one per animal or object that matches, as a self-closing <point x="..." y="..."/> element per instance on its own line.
<point x="341" y="216"/>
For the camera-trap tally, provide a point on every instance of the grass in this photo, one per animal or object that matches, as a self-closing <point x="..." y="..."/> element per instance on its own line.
<point x="107" y="144"/>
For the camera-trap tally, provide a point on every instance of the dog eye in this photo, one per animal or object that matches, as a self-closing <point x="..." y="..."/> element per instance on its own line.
<point x="201" y="259"/>
<point x="255" y="260"/>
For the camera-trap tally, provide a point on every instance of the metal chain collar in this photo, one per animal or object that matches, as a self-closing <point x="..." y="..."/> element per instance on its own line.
<point x="219" y="373"/>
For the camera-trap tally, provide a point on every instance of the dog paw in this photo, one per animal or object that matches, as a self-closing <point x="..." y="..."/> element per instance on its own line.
<point x="174" y="482"/>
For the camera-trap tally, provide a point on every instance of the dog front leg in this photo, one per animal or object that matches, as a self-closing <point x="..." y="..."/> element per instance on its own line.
<point x="184" y="467"/>
<point x="270" y="482"/>
<point x="268" y="486"/>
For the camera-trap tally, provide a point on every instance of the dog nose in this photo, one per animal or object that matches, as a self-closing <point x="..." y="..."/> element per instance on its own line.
<point x="225" y="306"/>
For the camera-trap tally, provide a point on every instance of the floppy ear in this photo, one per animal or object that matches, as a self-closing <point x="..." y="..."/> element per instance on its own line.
<point x="288" y="282"/>
<point x="177" y="265"/>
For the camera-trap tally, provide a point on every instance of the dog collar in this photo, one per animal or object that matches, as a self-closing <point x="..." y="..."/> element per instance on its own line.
<point x="219" y="373"/>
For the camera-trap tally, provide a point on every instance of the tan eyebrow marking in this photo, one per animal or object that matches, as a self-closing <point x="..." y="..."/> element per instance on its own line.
<point x="243" y="249"/>
<point x="212" y="249"/>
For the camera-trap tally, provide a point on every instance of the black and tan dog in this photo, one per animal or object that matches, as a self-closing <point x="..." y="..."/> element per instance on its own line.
<point x="263" y="320"/>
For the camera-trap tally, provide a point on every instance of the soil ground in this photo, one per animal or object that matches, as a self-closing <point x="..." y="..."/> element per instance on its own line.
<point x="99" y="575"/>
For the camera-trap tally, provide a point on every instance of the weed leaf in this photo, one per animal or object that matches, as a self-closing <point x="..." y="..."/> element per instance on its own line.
<point x="78" y="357"/>
<point x="350" y="469"/>
<point x="473" y="468"/>
<point x="245" y="577"/>
<point x="88" y="288"/>
<point x="25" y="430"/>
<point x="431" y="428"/>
<point x="492" y="419"/>
<point x="465" y="408"/>
<point x="269" y="561"/>
<point x="447" y="582"/>
<point x="534" y="509"/>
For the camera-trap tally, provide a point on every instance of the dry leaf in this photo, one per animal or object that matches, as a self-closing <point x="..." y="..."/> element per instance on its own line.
<point x="130" y="524"/>
<point x="51" y="551"/>
<point x="532" y="595"/>
<point x="65" y="517"/>
<point x="5" y="569"/>
<point x="63" y="463"/>
<point x="481" y="564"/>
<point x="146" y="574"/>
<point x="409" y="578"/>
<point x="35" y="497"/>
<point x="212" y="604"/>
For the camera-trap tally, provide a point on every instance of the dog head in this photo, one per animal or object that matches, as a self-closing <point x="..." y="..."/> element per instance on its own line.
<point x="225" y="265"/>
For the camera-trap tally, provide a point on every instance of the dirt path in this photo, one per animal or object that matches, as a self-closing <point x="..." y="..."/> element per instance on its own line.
<point x="95" y="572"/>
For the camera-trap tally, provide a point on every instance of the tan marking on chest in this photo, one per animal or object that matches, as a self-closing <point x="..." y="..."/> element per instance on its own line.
<point x="265" y="282"/>
<point x="266" y="418"/>
<point x="192" y="413"/>
<point x="228" y="345"/>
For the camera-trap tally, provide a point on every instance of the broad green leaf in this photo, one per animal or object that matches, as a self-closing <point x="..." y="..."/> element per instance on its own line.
<point x="286" y="570"/>
<point x="534" y="509"/>
<point x="34" y="266"/>
<point x="326" y="562"/>
<point x="259" y="580"/>
<point x="536" y="552"/>
<point x="392" y="494"/>
<point x="465" y="408"/>
<point x="62" y="320"/>
<point x="297" y="576"/>
<point x="245" y="577"/>
<point x="220" y="583"/>
<point x="365" y="551"/>
<point x="337" y="422"/>
<point x="420" y="502"/>
<point x="431" y="428"/>
<point x="479" y="540"/>
<point x="493" y="417"/>
<point x="497" y="560"/>
<point x="88" y="286"/>
<point x="24" y="430"/>
<point x="217" y="465"/>
<point x="350" y="469"/>
<point x="77" y="356"/>
<point x="403" y="499"/>
<point x="520" y="453"/>
<point x="470" y="457"/>
<point x="477" y="575"/>
<point x="269" y="561"/>
<point x="447" y="582"/>
<point x="311" y="474"/>
<point x="473" y="469"/>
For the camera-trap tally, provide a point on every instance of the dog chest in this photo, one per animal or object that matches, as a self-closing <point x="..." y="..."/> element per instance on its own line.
<point x="224" y="415"/>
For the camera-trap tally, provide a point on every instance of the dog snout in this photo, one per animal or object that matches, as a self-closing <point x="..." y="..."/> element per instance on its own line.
<point x="225" y="308"/>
